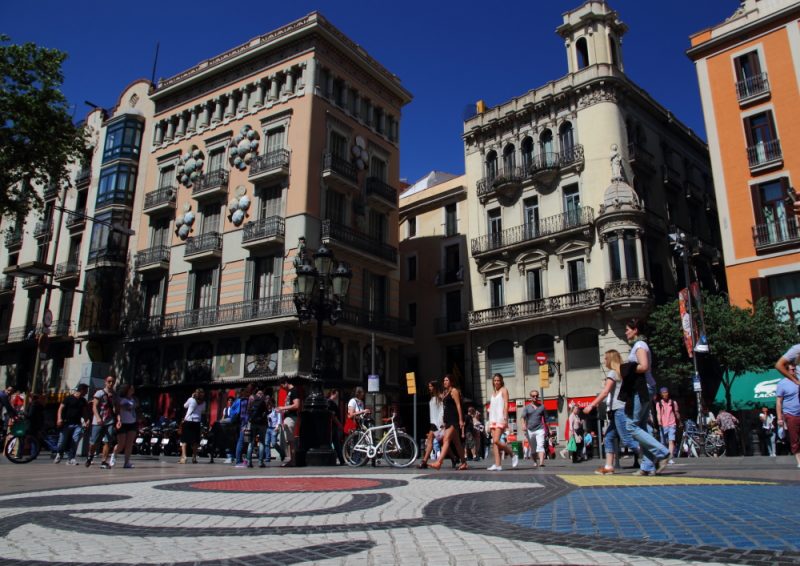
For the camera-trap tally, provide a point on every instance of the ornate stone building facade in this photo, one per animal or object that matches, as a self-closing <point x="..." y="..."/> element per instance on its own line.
<point x="573" y="188"/>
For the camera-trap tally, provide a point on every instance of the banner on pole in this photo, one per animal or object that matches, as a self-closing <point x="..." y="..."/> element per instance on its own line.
<point x="701" y="342"/>
<point x="686" y="320"/>
<point x="411" y="383"/>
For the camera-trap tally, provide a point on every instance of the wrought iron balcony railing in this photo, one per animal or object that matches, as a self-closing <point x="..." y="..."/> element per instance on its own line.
<point x="504" y="177"/>
<point x="67" y="269"/>
<point x="217" y="179"/>
<point x="340" y="166"/>
<point x="548" y="306"/>
<point x="151" y="256"/>
<point x="571" y="155"/>
<point x="277" y="159"/>
<point x="445" y="325"/>
<point x="549" y="226"/>
<point x="782" y="232"/>
<point x="33" y="281"/>
<point x="448" y="276"/>
<point x="20" y="333"/>
<point x="752" y="86"/>
<point x="371" y="320"/>
<point x="160" y="196"/>
<point x="358" y="241"/>
<point x="43" y="228"/>
<point x="84" y="176"/>
<point x="545" y="161"/>
<point x="50" y="192"/>
<point x="764" y="153"/>
<point x="7" y="284"/>
<point x="13" y="238"/>
<point x="210" y="242"/>
<point x="76" y="218"/>
<point x="256" y="309"/>
<point x="376" y="187"/>
<point x="628" y="289"/>
<point x="107" y="255"/>
<point x="271" y="227"/>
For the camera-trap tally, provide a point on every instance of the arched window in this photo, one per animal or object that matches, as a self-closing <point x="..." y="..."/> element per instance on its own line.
<point x="491" y="164"/>
<point x="501" y="358"/>
<point x="583" y="349"/>
<point x="546" y="148"/>
<point x="527" y="153"/>
<point x="582" y="51"/>
<point x="566" y="141"/>
<point x="534" y="345"/>
<point x="509" y="159"/>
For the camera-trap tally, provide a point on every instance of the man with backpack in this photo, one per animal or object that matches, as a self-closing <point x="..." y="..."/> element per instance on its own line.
<point x="104" y="417"/>
<point x="238" y="415"/>
<point x="668" y="418"/>
<point x="257" y="413"/>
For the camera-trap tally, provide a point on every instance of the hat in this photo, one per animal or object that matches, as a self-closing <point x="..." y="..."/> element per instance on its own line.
<point x="664" y="390"/>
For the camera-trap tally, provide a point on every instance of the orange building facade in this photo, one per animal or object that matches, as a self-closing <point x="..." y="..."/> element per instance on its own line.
<point x="748" y="69"/>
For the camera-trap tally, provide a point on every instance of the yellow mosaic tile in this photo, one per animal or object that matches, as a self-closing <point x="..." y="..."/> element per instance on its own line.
<point x="622" y="480"/>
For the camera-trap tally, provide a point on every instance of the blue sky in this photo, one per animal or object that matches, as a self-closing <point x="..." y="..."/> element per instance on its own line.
<point x="448" y="54"/>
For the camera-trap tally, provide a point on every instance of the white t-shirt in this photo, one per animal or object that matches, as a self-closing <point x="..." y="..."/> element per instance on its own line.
<point x="642" y="345"/>
<point x="437" y="414"/>
<point x="612" y="399"/>
<point x="194" y="412"/>
<point x="355" y="405"/>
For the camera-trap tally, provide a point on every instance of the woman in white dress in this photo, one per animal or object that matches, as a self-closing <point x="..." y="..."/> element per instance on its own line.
<point x="498" y="423"/>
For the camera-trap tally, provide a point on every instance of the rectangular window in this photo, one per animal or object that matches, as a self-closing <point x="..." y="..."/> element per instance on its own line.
<point x="116" y="185"/>
<point x="412" y="314"/>
<point x="377" y="225"/>
<point x="152" y="297"/>
<point x="159" y="232"/>
<point x="577" y="275"/>
<point x="784" y="292"/>
<point x="167" y="177"/>
<point x="572" y="206"/>
<point x="412" y="226"/>
<point x="377" y="169"/>
<point x="276" y="139"/>
<point x="496" y="292"/>
<point x="631" y="257"/>
<point x="267" y="277"/>
<point x="334" y="206"/>
<point x="216" y="160"/>
<point x="452" y="263"/>
<point x="453" y="305"/>
<point x="534" y="280"/>
<point x="451" y="219"/>
<point x="412" y="268"/>
<point x="750" y="81"/>
<point x="106" y="243"/>
<point x="375" y="293"/>
<point x="210" y="220"/>
<point x="531" y="217"/>
<point x="775" y="221"/>
<point x="203" y="289"/>
<point x="763" y="145"/>
<point x="123" y="139"/>
<point x="338" y="145"/>
<point x="495" y="227"/>
<point x="269" y="202"/>
<point x="614" y="258"/>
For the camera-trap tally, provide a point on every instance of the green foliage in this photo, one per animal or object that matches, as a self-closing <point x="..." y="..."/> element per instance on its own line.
<point x="741" y="339"/>
<point x="37" y="137"/>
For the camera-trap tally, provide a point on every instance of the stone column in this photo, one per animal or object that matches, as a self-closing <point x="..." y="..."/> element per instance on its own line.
<point x="217" y="110"/>
<point x="181" y="125"/>
<point x="346" y="96"/>
<point x="244" y="100"/>
<point x="192" y="121"/>
<point x="640" y="255"/>
<point x="259" y="102"/>
<point x="205" y="115"/>
<point x="159" y="133"/>
<point x="230" y="109"/>
<point x="302" y="79"/>
<point x="310" y="78"/>
<point x="623" y="268"/>
<point x="170" y="129"/>
<point x="273" y="87"/>
<point x="289" y="87"/>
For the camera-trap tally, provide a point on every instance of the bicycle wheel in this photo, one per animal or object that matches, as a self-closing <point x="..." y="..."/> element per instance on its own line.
<point x="353" y="454"/>
<point x="400" y="453"/>
<point x="714" y="446"/>
<point x="22" y="449"/>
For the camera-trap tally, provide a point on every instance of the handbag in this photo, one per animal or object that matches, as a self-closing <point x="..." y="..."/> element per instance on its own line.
<point x="572" y="445"/>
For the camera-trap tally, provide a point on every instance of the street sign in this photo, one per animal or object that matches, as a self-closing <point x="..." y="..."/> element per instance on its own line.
<point x="544" y="376"/>
<point x="411" y="383"/>
<point x="373" y="383"/>
<point x="541" y="358"/>
<point x="47" y="319"/>
<point x="696" y="385"/>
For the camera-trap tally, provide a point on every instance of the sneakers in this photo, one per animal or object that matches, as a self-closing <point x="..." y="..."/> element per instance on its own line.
<point x="57" y="459"/>
<point x="90" y="458"/>
<point x="494" y="468"/>
<point x="112" y="462"/>
<point x="128" y="466"/>
<point x="262" y="465"/>
<point x="229" y="460"/>
<point x="241" y="465"/>
<point x="671" y="461"/>
<point x="642" y="473"/>
<point x="72" y="462"/>
<point x="603" y="471"/>
<point x="662" y="465"/>
<point x="514" y="461"/>
<point x="104" y="466"/>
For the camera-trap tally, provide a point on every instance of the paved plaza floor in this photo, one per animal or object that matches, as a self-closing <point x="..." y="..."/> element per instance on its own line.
<point x="704" y="511"/>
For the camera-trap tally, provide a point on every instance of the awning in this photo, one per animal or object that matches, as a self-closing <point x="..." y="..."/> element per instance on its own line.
<point x="751" y="390"/>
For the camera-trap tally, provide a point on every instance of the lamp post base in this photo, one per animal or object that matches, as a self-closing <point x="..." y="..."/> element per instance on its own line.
<point x="315" y="433"/>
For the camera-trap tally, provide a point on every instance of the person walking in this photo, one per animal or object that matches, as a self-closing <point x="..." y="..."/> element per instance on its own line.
<point x="103" y="421"/>
<point x="767" y="431"/>
<point x="654" y="454"/>
<point x="436" y="430"/>
<point x="728" y="425"/>
<point x="498" y="423"/>
<point x="356" y="409"/>
<point x="668" y="417"/>
<point x="71" y="420"/>
<point x="274" y="427"/>
<point x="190" y="433"/>
<point x="337" y="427"/>
<point x="534" y="423"/>
<point x="289" y="413"/>
<point x="453" y="419"/>
<point x="576" y="432"/>
<point x="239" y="416"/>
<point x="125" y="425"/>
<point x="258" y="417"/>
<point x="228" y="432"/>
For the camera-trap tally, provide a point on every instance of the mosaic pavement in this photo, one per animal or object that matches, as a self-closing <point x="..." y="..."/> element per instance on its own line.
<point x="446" y="518"/>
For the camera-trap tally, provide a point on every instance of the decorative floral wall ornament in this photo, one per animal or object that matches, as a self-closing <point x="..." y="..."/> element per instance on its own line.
<point x="184" y="222"/>
<point x="190" y="166"/>
<point x="360" y="155"/>
<point x="237" y="207"/>
<point x="243" y="148"/>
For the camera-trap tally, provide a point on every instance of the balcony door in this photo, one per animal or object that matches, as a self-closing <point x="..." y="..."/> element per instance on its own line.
<point x="773" y="211"/>
<point x="496" y="292"/>
<point x="276" y="140"/>
<point x="216" y="160"/>
<point x="760" y="131"/>
<point x="531" y="217"/>
<point x="452" y="263"/>
<point x="335" y="206"/>
<point x="495" y="227"/>
<point x="159" y="232"/>
<point x="377" y="226"/>
<point x="572" y="206"/>
<point x="375" y="295"/>
<point x="269" y="202"/>
<point x="210" y="220"/>
<point x="453" y="310"/>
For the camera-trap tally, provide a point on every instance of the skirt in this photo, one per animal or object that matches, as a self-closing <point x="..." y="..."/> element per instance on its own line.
<point x="191" y="433"/>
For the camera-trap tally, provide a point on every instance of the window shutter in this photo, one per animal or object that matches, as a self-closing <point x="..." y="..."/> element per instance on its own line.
<point x="160" y="299"/>
<point x="758" y="206"/>
<point x="759" y="288"/>
<point x="748" y="130"/>
<point x="215" y="280"/>
<point x="190" y="290"/>
<point x="248" y="279"/>
<point x="277" y="275"/>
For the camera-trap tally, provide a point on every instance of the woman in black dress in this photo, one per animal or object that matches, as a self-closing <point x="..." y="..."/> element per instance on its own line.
<point x="453" y="423"/>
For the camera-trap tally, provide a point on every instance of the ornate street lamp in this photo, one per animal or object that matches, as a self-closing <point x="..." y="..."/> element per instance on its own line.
<point x="320" y="291"/>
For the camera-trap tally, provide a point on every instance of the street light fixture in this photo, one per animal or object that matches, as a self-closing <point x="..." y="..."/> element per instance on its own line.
<point x="320" y="292"/>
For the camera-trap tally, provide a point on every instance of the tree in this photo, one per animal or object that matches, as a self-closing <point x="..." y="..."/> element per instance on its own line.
<point x="741" y="340"/>
<point x="37" y="137"/>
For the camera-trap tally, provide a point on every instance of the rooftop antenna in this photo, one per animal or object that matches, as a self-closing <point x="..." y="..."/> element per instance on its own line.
<point x="155" y="62"/>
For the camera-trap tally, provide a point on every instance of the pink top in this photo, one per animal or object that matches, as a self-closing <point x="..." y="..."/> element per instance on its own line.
<point x="666" y="412"/>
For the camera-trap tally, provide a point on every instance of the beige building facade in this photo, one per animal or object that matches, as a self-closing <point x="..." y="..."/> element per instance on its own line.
<point x="572" y="190"/>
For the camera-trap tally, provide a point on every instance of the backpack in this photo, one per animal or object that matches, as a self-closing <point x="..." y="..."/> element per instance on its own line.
<point x="257" y="411"/>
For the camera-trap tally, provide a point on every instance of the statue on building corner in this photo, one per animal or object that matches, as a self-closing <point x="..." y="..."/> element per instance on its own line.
<point x="617" y="174"/>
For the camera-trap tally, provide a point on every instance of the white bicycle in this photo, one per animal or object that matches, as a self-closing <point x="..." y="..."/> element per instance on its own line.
<point x="397" y="448"/>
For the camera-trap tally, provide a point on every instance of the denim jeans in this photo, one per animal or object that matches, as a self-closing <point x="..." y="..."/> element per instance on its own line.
<point x="257" y="431"/>
<point x="239" y="446"/>
<point x="769" y="439"/>
<point x="640" y="430"/>
<point x="617" y="428"/>
<point x="271" y="441"/>
<point x="69" y="437"/>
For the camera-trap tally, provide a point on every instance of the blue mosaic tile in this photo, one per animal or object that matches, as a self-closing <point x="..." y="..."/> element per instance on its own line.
<point x="740" y="516"/>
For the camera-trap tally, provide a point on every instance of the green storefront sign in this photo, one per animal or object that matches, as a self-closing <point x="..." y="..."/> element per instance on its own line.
<point x="751" y="390"/>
